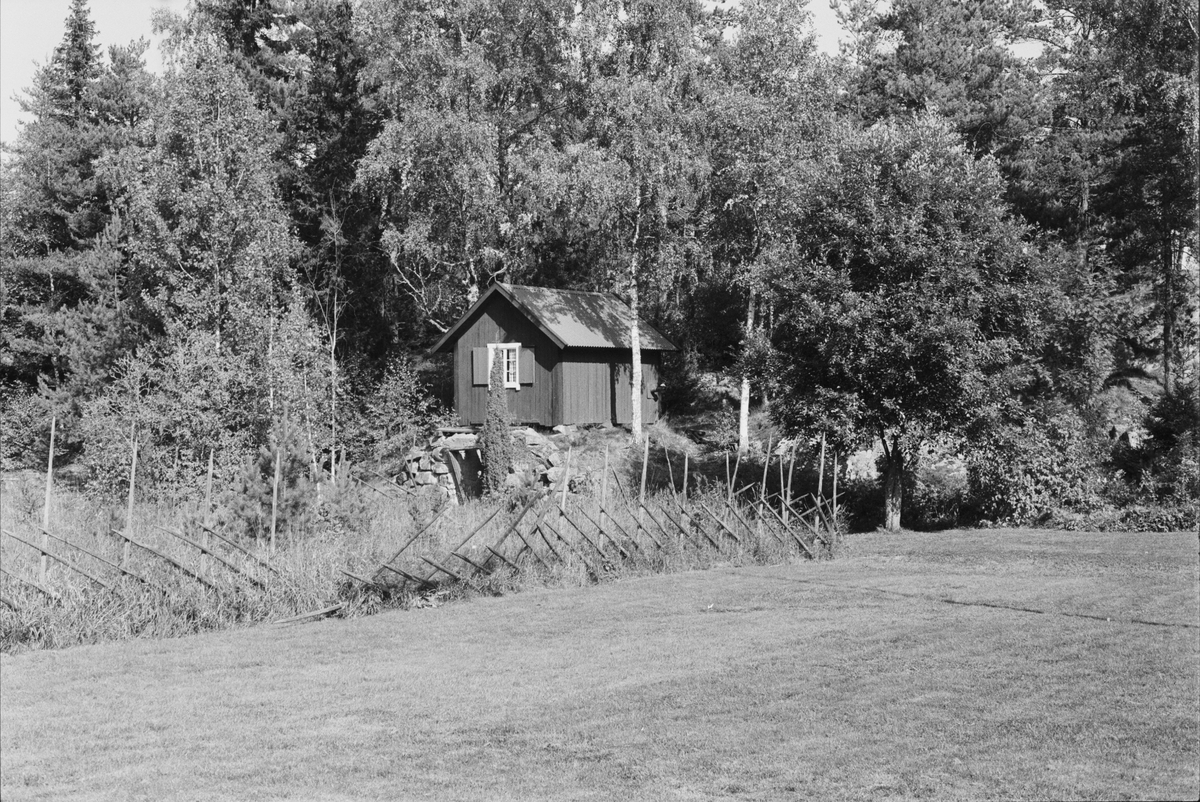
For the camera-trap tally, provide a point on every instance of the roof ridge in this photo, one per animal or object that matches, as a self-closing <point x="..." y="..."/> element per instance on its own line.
<point x="556" y="289"/>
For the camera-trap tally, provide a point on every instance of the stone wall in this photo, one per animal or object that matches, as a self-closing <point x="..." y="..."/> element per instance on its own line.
<point x="538" y="461"/>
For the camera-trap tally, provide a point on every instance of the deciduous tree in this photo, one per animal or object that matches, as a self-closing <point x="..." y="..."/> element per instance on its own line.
<point x="912" y="303"/>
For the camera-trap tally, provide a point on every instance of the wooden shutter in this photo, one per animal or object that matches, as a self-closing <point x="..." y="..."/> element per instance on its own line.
<point x="525" y="368"/>
<point x="479" y="366"/>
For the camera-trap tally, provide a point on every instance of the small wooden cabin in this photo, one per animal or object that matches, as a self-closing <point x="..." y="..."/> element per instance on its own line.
<point x="567" y="356"/>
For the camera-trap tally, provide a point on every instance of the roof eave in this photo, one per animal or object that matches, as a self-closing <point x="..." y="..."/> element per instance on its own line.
<point x="452" y="332"/>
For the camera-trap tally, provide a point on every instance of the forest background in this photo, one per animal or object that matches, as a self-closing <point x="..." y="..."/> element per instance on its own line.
<point x="941" y="240"/>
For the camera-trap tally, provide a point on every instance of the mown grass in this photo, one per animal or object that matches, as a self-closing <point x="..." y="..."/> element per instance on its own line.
<point x="976" y="665"/>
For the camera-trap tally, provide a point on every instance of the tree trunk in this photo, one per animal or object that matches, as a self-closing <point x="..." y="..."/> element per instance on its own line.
<point x="893" y="485"/>
<point x="1168" y="311"/>
<point x="635" y="342"/>
<point x="744" y="411"/>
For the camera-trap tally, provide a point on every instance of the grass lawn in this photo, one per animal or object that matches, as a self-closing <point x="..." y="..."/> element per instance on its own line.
<point x="997" y="664"/>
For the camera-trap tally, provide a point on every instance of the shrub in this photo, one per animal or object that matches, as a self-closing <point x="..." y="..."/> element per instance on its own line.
<point x="682" y="387"/>
<point x="397" y="414"/>
<point x="1023" y="471"/>
<point x="1174" y="445"/>
<point x="24" y="428"/>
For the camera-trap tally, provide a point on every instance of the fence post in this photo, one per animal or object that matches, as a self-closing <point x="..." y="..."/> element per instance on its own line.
<point x="685" y="478"/>
<point x="204" y="539"/>
<point x="42" y="566"/>
<point x="208" y="488"/>
<point x="566" y="480"/>
<point x="132" y="486"/>
<point x="604" y="488"/>
<point x="835" y="492"/>
<point x="762" y="491"/>
<point x="642" y="494"/>
<point x="821" y="475"/>
<point x="274" y="499"/>
<point x="787" y="499"/>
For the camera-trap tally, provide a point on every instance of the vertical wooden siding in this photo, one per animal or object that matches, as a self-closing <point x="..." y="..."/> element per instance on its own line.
<point x="587" y="385"/>
<point x="619" y="384"/>
<point x="495" y="322"/>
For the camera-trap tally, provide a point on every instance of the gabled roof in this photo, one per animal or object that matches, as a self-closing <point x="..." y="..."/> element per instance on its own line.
<point x="570" y="318"/>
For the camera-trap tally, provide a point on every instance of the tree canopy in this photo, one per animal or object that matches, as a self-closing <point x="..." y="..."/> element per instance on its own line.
<point x="976" y="211"/>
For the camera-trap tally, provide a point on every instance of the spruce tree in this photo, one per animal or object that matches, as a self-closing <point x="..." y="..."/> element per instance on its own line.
<point x="496" y="448"/>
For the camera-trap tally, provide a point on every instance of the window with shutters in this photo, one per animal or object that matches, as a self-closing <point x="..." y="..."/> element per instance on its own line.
<point x="511" y="354"/>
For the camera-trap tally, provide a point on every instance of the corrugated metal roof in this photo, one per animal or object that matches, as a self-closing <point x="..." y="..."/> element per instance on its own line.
<point x="584" y="319"/>
<point x="571" y="318"/>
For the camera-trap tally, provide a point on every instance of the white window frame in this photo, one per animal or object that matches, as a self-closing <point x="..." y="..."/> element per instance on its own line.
<point x="512" y="359"/>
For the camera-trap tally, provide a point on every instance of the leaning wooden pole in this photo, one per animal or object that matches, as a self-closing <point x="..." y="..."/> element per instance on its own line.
<point x="42" y="565"/>
<point x="58" y="559"/>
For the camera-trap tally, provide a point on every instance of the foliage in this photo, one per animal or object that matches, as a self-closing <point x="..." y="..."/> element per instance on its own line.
<point x="396" y="415"/>
<point x="23" y="443"/>
<point x="314" y="186"/>
<point x="255" y="501"/>
<point x="1173" y="449"/>
<point x="496" y="450"/>
<point x="1027" y="468"/>
<point x="938" y="490"/>
<point x="910" y="301"/>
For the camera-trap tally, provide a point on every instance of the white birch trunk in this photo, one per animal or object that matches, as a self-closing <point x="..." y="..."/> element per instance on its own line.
<point x="744" y="410"/>
<point x="635" y="342"/>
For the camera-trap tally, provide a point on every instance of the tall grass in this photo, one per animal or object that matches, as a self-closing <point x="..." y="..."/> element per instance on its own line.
<point x="322" y="565"/>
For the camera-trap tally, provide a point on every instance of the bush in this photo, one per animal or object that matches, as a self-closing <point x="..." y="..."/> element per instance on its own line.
<point x="24" y="428"/>
<point x="682" y="389"/>
<point x="1024" y="471"/>
<point x="1137" y="518"/>
<point x="1174" y="445"/>
<point x="397" y="414"/>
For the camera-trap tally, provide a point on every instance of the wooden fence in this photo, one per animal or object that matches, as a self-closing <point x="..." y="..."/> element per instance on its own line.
<point x="553" y="527"/>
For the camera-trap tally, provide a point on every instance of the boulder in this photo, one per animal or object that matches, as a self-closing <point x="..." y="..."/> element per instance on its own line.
<point x="565" y="428"/>
<point x="535" y="439"/>
<point x="460" y="441"/>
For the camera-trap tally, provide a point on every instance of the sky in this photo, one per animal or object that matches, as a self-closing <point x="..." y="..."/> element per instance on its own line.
<point x="30" y="29"/>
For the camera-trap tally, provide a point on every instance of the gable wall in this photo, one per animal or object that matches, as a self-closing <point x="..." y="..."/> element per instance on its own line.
<point x="499" y="321"/>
